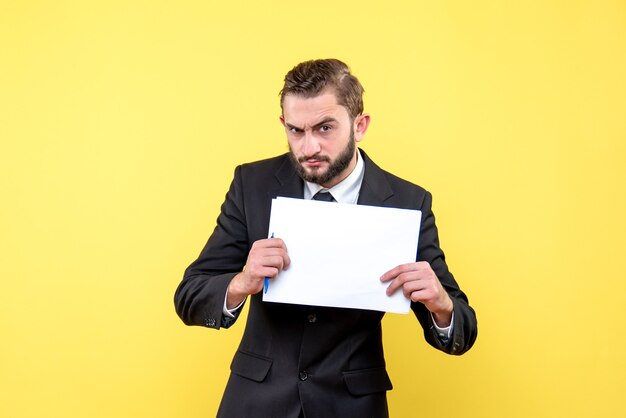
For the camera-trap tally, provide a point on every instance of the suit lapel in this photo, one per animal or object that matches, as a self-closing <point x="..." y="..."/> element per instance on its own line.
<point x="375" y="189"/>
<point x="288" y="183"/>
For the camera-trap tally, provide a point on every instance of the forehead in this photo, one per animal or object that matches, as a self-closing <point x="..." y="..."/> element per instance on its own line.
<point x="300" y="110"/>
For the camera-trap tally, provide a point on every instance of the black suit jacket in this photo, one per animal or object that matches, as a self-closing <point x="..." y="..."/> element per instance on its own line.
<point x="327" y="362"/>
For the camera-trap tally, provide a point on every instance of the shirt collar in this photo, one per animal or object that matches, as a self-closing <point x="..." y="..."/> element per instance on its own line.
<point x="346" y="191"/>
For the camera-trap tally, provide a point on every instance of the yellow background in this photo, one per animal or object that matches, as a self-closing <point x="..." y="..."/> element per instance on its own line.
<point x="121" y="123"/>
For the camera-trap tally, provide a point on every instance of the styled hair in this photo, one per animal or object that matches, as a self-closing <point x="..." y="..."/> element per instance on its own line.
<point x="308" y="79"/>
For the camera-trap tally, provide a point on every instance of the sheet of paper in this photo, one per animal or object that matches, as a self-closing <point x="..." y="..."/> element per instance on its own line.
<point x="338" y="253"/>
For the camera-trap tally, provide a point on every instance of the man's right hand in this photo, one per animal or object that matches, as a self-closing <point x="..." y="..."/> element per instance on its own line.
<point x="267" y="258"/>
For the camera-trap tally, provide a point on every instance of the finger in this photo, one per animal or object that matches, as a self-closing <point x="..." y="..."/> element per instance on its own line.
<point x="269" y="272"/>
<point x="256" y="274"/>
<point x="421" y="295"/>
<point x="269" y="243"/>
<point x="396" y="271"/>
<point x="260" y="263"/>
<point x="432" y="296"/>
<point x="275" y="243"/>
<point x="256" y="265"/>
<point x="286" y="261"/>
<point x="410" y="281"/>
<point x="259" y="254"/>
<point x="271" y="254"/>
<point x="411" y="286"/>
<point x="279" y="248"/>
<point x="397" y="283"/>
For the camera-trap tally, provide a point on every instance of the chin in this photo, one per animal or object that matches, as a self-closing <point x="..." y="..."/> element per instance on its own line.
<point x="314" y="171"/>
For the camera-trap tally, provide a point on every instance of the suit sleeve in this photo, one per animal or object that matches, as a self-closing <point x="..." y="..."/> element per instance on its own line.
<point x="465" y="327"/>
<point x="199" y="299"/>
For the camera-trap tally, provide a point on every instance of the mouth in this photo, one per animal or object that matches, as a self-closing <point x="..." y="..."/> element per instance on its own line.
<point x="313" y="162"/>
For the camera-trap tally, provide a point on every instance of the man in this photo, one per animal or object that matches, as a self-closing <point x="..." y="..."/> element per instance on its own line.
<point x="306" y="361"/>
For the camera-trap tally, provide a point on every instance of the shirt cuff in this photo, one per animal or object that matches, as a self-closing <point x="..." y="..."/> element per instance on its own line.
<point x="231" y="312"/>
<point x="444" y="332"/>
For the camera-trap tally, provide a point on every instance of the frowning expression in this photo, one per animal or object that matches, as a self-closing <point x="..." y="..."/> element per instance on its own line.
<point x="322" y="137"/>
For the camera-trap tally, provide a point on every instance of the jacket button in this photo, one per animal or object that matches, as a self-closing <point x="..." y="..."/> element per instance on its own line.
<point x="303" y="375"/>
<point x="312" y="318"/>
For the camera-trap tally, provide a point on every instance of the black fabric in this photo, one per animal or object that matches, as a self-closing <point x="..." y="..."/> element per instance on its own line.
<point x="324" y="196"/>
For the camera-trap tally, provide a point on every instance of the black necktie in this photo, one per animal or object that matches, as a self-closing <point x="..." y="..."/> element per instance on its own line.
<point x="324" y="196"/>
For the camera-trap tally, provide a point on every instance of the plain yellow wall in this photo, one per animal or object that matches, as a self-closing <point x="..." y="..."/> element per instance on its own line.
<point x="121" y="123"/>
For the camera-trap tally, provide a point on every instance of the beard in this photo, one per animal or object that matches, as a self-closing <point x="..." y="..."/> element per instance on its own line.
<point x="335" y="168"/>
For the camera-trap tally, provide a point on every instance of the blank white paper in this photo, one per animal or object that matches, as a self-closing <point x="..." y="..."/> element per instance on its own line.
<point x="339" y="251"/>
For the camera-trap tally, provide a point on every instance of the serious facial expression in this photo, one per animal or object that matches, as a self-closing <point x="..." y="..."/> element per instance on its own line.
<point x="321" y="138"/>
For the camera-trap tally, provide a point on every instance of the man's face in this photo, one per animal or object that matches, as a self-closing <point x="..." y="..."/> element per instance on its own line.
<point x="321" y="137"/>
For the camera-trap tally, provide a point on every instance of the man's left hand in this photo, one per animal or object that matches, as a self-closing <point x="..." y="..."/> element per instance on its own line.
<point x="420" y="284"/>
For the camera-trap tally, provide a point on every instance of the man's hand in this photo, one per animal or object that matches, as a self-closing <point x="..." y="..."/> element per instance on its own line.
<point x="267" y="258"/>
<point x="420" y="284"/>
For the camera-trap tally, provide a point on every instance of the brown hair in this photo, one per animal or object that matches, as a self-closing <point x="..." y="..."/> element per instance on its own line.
<point x="309" y="78"/>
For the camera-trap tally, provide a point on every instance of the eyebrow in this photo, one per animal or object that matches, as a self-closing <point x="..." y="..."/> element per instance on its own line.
<point x="318" y="124"/>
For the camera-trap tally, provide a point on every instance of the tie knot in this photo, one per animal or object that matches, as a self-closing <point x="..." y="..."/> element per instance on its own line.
<point x="324" y="196"/>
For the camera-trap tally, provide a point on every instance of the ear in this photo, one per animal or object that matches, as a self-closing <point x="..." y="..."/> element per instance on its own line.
<point x="361" y="123"/>
<point x="282" y="119"/>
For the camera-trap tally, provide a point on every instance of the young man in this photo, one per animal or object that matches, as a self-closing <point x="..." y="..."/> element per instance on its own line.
<point x="306" y="361"/>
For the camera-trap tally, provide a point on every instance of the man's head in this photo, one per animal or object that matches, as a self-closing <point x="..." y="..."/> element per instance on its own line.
<point x="310" y="78"/>
<point x="323" y="116"/>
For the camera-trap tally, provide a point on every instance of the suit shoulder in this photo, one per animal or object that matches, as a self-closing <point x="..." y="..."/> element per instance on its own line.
<point x="409" y="195"/>
<point x="401" y="183"/>
<point x="396" y="183"/>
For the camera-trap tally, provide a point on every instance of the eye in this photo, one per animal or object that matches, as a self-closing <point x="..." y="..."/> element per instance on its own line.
<point x="294" y="130"/>
<point x="325" y="128"/>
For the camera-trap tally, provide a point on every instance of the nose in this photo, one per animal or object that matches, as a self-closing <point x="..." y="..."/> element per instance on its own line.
<point x="311" y="145"/>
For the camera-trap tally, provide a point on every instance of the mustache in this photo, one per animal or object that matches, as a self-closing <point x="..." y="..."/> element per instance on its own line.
<point x="317" y="157"/>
